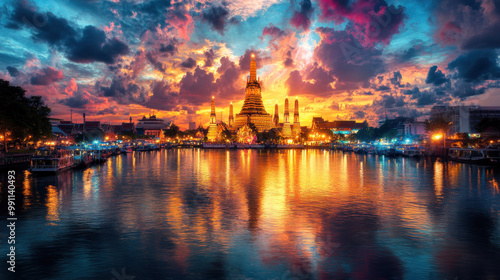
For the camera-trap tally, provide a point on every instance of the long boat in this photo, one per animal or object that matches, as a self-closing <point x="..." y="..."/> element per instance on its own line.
<point x="82" y="157"/>
<point x="487" y="156"/>
<point x="215" y="146"/>
<point x="52" y="160"/>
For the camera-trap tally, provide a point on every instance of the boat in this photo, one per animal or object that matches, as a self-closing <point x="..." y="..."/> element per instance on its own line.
<point x="52" y="160"/>
<point x="360" y="149"/>
<point x="126" y="149"/>
<point x="391" y="152"/>
<point x="290" y="146"/>
<point x="83" y="158"/>
<point x="257" y="146"/>
<point x="487" y="156"/>
<point x="215" y="146"/>
<point x="411" y="152"/>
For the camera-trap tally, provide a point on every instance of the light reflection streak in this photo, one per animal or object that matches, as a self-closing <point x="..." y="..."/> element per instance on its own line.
<point x="52" y="203"/>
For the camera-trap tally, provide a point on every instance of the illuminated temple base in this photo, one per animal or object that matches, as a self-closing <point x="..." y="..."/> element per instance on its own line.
<point x="287" y="130"/>
<point x="212" y="132"/>
<point x="262" y="122"/>
<point x="296" y="129"/>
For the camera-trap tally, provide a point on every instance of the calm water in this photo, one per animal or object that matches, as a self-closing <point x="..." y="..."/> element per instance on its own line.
<point x="310" y="214"/>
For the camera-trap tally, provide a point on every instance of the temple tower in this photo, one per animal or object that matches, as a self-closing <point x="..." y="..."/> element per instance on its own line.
<point x="287" y="129"/>
<point x="276" y="119"/>
<point x="253" y="110"/>
<point x="212" y="127"/>
<point x="231" y="117"/>
<point x="253" y="70"/>
<point x="296" y="122"/>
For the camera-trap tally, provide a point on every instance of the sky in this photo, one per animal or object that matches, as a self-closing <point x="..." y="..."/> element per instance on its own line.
<point x="342" y="59"/>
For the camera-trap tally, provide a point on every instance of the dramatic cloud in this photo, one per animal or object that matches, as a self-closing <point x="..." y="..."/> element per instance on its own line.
<point x="217" y="17"/>
<point x="373" y="20"/>
<point x="209" y="58"/>
<point x="344" y="59"/>
<point x="163" y="98"/>
<point x="316" y="82"/>
<point x="91" y="46"/>
<point x="94" y="46"/>
<point x="476" y="66"/>
<point x="435" y="77"/>
<point x="189" y="63"/>
<point x="469" y="24"/>
<point x="197" y="88"/>
<point x="396" y="78"/>
<point x="352" y="64"/>
<point x="47" y="76"/>
<point x="13" y="72"/>
<point x="301" y="19"/>
<point x="272" y="31"/>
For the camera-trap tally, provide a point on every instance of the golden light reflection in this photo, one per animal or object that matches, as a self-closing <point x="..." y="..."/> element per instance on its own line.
<point x="87" y="183"/>
<point x="52" y="204"/>
<point x="27" y="194"/>
<point x="438" y="179"/>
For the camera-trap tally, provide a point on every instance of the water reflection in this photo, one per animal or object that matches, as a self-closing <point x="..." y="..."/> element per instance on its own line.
<point x="291" y="214"/>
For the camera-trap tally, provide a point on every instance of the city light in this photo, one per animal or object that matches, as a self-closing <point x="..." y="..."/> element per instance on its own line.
<point x="437" y="136"/>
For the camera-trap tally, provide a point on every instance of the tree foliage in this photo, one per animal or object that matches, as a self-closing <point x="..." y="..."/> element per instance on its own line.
<point x="22" y="116"/>
<point x="172" y="131"/>
<point x="439" y="124"/>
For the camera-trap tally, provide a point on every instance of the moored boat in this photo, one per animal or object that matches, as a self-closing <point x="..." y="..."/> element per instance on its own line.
<point x="52" y="160"/>
<point x="488" y="156"/>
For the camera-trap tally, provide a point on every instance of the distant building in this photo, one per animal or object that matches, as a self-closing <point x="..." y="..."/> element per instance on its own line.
<point x="414" y="128"/>
<point x="464" y="119"/>
<point x="403" y="125"/>
<point x="151" y="126"/>
<point x="338" y="126"/>
<point x="192" y="125"/>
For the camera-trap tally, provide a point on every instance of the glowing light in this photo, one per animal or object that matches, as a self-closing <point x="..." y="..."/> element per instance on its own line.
<point x="253" y="55"/>
<point x="437" y="136"/>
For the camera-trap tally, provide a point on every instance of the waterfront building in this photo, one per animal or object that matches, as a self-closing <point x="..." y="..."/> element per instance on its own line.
<point x="414" y="128"/>
<point x="337" y="126"/>
<point x="212" y="128"/>
<point x="287" y="128"/>
<point x="152" y="126"/>
<point x="253" y="110"/>
<point x="464" y="119"/>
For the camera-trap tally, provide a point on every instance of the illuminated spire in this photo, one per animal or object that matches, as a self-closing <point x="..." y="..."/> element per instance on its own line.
<point x="296" y="111"/>
<point x="287" y="114"/>
<point x="253" y="69"/>
<point x="231" y="117"/>
<point x="212" y="113"/>
<point x="276" y="118"/>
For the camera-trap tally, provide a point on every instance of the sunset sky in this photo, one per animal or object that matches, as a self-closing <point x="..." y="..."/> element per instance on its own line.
<point x="343" y="59"/>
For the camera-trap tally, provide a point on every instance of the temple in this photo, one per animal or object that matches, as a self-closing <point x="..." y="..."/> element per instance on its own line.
<point x="253" y="110"/>
<point x="212" y="127"/>
<point x="286" y="131"/>
<point x="296" y="122"/>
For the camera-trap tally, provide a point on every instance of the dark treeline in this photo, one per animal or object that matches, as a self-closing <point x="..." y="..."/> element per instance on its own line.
<point x="22" y="118"/>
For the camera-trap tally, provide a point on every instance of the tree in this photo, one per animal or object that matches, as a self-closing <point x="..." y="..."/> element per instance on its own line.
<point x="366" y="134"/>
<point x="172" y="131"/>
<point x="22" y="116"/>
<point x="438" y="124"/>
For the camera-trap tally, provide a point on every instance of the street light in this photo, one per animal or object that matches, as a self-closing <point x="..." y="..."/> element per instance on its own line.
<point x="437" y="136"/>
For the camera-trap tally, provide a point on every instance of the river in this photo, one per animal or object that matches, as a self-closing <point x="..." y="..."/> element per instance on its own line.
<point x="256" y="214"/>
